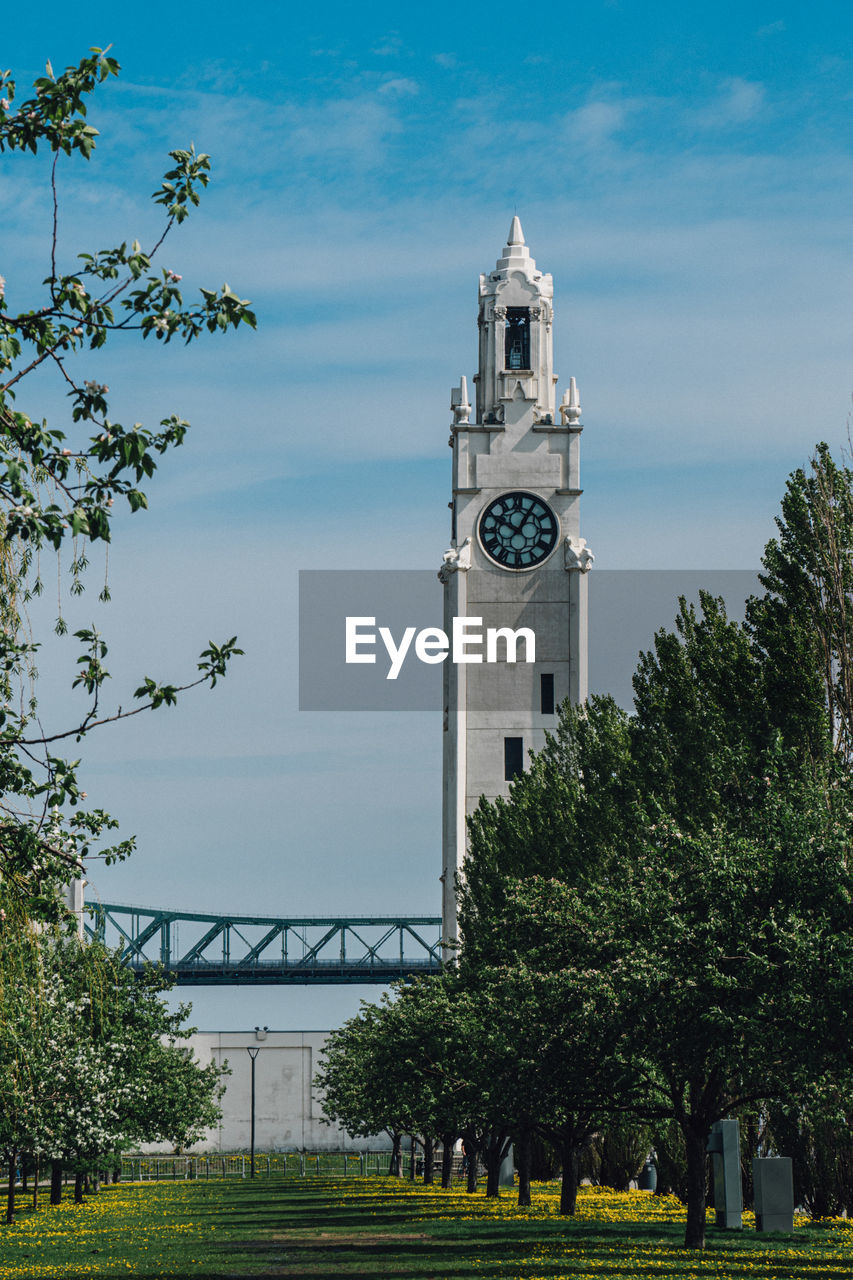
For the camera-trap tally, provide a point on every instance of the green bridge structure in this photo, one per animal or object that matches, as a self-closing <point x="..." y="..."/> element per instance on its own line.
<point x="203" y="950"/>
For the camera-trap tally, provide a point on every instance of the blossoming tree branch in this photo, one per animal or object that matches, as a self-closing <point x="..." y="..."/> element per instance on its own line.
<point x="59" y="485"/>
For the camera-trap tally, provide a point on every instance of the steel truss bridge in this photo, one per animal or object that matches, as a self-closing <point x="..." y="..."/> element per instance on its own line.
<point x="209" y="949"/>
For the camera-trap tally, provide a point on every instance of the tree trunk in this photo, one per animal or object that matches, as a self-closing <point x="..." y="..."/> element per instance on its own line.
<point x="429" y="1156"/>
<point x="117" y="1173"/>
<point x="56" y="1182"/>
<point x="524" y="1154"/>
<point x="35" y="1182"/>
<point x="569" y="1187"/>
<point x="473" y="1156"/>
<point x="78" y="1188"/>
<point x="697" y="1142"/>
<point x="24" y="1172"/>
<point x="447" y="1143"/>
<point x="413" y="1150"/>
<point x="496" y="1149"/>
<point x="395" y="1164"/>
<point x="96" y="1182"/>
<point x="10" y="1199"/>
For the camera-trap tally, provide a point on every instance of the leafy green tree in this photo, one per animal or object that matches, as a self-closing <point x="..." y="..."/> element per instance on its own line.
<point x="670" y="1159"/>
<point x="803" y="625"/>
<point x="617" y="1153"/>
<point x="425" y="1063"/>
<point x="458" y="1068"/>
<point x="702" y="725"/>
<point x="180" y="1098"/>
<point x="357" y="1091"/>
<point x="721" y="961"/>
<point x="566" y="815"/>
<point x="552" y="1060"/>
<point x="59" y="484"/>
<point x="34" y="1021"/>
<point x="158" y="1091"/>
<point x="815" y="1130"/>
<point x="710" y="935"/>
<point x="91" y="1058"/>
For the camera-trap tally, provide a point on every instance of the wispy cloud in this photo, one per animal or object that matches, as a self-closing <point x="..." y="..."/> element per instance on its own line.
<point x="593" y="125"/>
<point x="391" y="46"/>
<point x="737" y="102"/>
<point x="399" y="87"/>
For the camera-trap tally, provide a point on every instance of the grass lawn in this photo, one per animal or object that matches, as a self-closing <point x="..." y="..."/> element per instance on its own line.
<point x="376" y="1227"/>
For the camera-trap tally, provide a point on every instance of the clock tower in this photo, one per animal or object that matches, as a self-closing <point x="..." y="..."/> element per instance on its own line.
<point x="516" y="563"/>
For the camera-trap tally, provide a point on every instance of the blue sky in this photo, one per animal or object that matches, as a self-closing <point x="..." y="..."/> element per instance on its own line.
<point x="686" y="176"/>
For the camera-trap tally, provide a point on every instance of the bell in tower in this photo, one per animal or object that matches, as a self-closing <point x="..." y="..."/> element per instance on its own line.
<point x="517" y="345"/>
<point x="515" y="334"/>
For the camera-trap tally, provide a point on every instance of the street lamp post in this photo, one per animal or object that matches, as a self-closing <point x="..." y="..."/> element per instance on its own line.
<point x="253" y="1053"/>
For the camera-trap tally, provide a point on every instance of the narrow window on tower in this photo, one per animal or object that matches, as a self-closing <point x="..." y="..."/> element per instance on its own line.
<point x="517" y="348"/>
<point x="513" y="758"/>
<point x="546" y="694"/>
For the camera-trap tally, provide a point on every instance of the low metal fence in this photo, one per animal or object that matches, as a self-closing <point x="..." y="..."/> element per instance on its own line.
<point x="298" y="1164"/>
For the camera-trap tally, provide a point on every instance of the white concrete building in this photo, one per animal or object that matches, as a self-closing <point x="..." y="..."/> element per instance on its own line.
<point x="287" y="1109"/>
<point x="516" y="558"/>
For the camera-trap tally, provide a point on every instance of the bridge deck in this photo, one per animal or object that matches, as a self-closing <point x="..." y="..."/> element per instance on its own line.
<point x="202" y="949"/>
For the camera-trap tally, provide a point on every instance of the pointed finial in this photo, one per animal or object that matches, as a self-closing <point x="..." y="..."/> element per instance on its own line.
<point x="570" y="406"/>
<point x="459" y="403"/>
<point x="516" y="252"/>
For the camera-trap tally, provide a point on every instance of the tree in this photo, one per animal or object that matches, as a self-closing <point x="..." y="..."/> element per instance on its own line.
<point x="816" y="1132"/>
<point x="618" y="1153"/>
<point x="359" y="1080"/>
<point x="90" y="1057"/>
<point x="430" y="1062"/>
<point x="552" y="1058"/>
<point x="459" y="1071"/>
<point x="180" y="1098"/>
<point x="803" y="624"/>
<point x="58" y="485"/>
<point x="566" y="815"/>
<point x="710" y="935"/>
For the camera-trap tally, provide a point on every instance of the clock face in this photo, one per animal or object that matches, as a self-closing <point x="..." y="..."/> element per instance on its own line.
<point x="518" y="530"/>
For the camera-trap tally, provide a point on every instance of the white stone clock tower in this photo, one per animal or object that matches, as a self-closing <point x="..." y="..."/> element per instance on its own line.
<point x="516" y="558"/>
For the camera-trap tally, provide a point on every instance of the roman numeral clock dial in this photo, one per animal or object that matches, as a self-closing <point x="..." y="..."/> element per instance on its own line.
<point x="518" y="530"/>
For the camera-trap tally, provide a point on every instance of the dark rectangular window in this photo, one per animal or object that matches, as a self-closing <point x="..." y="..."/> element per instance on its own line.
<point x="513" y="758"/>
<point x="517" y="345"/>
<point x="546" y="693"/>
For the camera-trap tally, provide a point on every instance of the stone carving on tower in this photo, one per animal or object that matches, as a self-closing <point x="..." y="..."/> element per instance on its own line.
<point x="516" y="503"/>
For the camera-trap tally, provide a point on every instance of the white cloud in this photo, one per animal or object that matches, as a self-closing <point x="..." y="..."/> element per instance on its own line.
<point x="593" y="125"/>
<point x="400" y="87"/>
<point x="390" y="47"/>
<point x="738" y="101"/>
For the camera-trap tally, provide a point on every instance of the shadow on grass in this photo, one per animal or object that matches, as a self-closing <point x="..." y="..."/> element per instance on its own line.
<point x="328" y="1228"/>
<point x="322" y="1231"/>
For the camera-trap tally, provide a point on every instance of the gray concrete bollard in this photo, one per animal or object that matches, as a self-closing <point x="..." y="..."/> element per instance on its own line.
<point x="773" y="1177"/>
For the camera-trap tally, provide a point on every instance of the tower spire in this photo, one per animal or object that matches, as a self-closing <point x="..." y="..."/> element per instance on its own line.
<point x="516" y="252"/>
<point x="516" y="235"/>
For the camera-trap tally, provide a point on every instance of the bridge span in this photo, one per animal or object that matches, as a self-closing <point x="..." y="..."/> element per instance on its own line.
<point x="204" y="949"/>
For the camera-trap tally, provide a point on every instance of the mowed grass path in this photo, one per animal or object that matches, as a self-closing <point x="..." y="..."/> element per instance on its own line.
<point x="377" y="1227"/>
